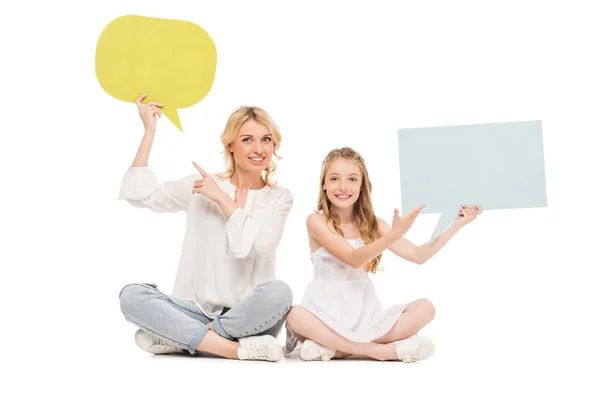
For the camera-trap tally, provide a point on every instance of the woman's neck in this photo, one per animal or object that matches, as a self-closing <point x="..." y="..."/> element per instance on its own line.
<point x="245" y="180"/>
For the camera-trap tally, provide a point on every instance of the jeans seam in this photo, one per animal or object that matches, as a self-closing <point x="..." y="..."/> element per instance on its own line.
<point x="163" y="296"/>
<point x="219" y="328"/>
<point x="198" y="337"/>
<point x="260" y="326"/>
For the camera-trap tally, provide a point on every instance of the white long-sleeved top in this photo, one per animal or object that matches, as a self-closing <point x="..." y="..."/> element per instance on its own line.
<point x="222" y="260"/>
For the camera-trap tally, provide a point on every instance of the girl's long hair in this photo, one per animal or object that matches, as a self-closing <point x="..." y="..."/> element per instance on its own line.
<point x="362" y="210"/>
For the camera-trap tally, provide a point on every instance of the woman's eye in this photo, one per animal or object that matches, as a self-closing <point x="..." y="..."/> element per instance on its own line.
<point x="267" y="139"/>
<point x="246" y="140"/>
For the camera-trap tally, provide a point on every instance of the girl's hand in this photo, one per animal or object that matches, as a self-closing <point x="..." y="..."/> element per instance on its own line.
<point x="401" y="225"/>
<point x="149" y="112"/>
<point x="468" y="213"/>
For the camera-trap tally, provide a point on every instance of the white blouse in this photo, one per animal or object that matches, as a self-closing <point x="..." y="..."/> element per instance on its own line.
<point x="222" y="260"/>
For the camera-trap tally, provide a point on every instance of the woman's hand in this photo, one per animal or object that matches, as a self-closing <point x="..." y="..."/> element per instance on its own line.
<point x="206" y="186"/>
<point x="468" y="213"/>
<point x="149" y="113"/>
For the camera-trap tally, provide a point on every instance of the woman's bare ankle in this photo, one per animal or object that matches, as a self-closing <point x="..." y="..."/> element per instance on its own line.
<point x="215" y="344"/>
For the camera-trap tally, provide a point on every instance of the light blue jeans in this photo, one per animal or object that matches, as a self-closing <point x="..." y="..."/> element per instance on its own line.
<point x="183" y="324"/>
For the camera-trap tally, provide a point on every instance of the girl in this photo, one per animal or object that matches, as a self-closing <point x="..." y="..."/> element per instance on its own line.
<point x="225" y="300"/>
<point x="340" y="313"/>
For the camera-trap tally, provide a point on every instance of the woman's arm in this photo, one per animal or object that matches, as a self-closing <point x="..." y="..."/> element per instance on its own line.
<point x="139" y="186"/>
<point x="149" y="114"/>
<point x="143" y="153"/>
<point x="420" y="254"/>
<point x="249" y="238"/>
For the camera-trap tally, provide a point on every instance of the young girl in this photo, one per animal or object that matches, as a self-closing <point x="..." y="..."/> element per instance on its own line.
<point x="340" y="313"/>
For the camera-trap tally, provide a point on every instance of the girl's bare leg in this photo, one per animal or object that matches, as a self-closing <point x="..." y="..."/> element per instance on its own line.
<point x="416" y="315"/>
<point x="306" y="324"/>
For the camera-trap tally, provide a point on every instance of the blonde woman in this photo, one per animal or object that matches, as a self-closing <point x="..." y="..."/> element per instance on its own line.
<point x="225" y="300"/>
<point x="340" y="314"/>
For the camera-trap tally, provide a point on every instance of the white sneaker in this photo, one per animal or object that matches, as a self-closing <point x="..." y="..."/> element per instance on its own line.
<point x="265" y="348"/>
<point x="313" y="351"/>
<point x="154" y="345"/>
<point x="415" y="348"/>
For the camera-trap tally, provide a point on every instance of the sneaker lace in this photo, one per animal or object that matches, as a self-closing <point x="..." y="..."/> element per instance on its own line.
<point x="161" y="344"/>
<point x="256" y="354"/>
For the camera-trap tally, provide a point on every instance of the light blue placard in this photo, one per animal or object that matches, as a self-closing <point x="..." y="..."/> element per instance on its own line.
<point x="497" y="166"/>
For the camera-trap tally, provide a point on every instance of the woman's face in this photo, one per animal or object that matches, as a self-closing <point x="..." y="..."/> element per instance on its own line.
<point x="343" y="181"/>
<point x="253" y="147"/>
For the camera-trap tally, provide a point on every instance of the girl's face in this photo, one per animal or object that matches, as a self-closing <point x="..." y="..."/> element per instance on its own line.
<point x="343" y="181"/>
<point x="253" y="147"/>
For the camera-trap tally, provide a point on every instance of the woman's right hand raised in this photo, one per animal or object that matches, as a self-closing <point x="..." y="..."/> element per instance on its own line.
<point x="401" y="225"/>
<point x="149" y="113"/>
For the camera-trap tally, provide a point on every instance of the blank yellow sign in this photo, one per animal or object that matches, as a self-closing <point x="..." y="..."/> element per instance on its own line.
<point x="173" y="61"/>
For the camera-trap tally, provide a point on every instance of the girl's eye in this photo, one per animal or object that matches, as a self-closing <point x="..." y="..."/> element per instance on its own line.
<point x="353" y="179"/>
<point x="246" y="140"/>
<point x="333" y="179"/>
<point x="267" y="139"/>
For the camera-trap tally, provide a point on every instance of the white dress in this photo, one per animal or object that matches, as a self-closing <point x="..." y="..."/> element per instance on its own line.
<point x="344" y="298"/>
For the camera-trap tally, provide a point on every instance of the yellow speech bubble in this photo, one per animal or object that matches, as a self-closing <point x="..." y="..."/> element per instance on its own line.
<point x="172" y="61"/>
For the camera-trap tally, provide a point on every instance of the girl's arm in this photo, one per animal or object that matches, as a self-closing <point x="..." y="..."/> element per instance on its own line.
<point x="357" y="258"/>
<point x="420" y="254"/>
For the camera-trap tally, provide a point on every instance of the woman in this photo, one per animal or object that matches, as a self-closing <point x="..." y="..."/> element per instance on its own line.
<point x="225" y="300"/>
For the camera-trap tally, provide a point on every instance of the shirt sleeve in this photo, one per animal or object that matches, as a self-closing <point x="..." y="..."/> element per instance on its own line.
<point x="140" y="188"/>
<point x="247" y="238"/>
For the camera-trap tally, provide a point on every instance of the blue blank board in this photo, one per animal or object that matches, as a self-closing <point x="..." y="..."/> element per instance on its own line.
<point x="498" y="166"/>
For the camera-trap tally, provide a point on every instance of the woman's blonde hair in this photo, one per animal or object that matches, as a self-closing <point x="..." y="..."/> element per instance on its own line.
<point x="362" y="210"/>
<point x="237" y="118"/>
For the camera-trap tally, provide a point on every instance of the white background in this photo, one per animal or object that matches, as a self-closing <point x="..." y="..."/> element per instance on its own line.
<point x="515" y="291"/>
